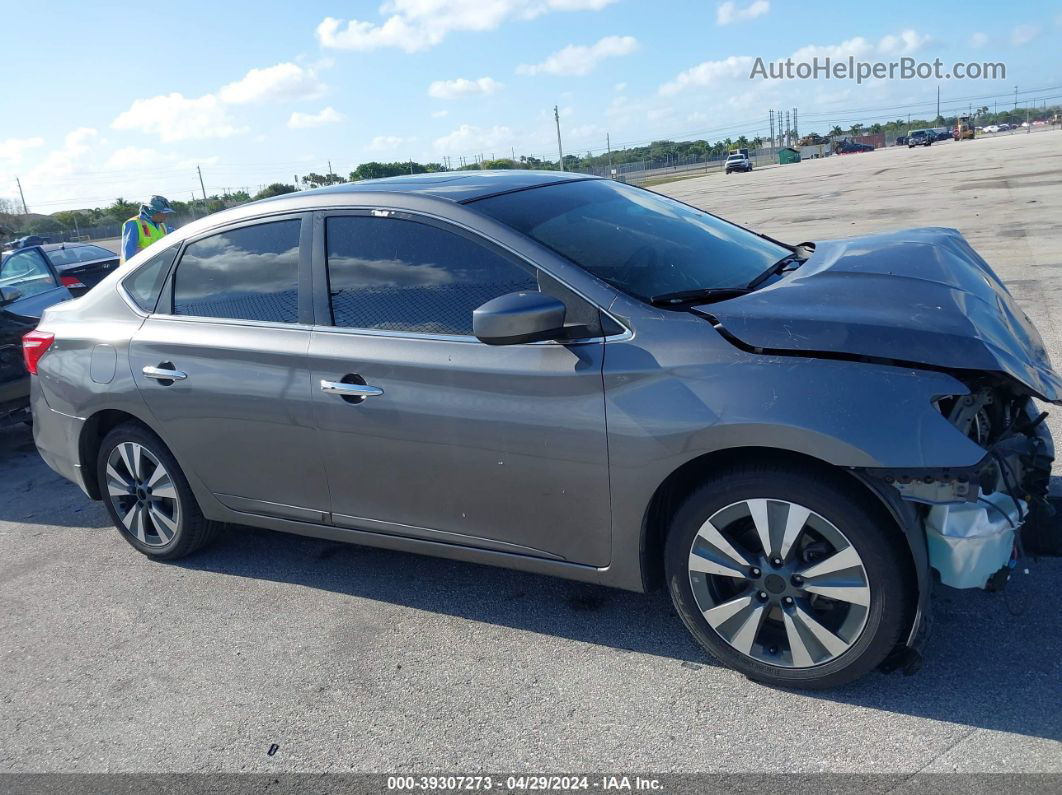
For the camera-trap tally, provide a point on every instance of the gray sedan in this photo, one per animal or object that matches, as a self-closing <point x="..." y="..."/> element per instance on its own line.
<point x="574" y="377"/>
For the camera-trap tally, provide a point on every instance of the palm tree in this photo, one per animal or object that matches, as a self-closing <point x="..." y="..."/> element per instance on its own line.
<point x="836" y="130"/>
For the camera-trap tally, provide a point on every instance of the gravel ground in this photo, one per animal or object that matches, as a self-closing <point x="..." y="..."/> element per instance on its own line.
<point x="354" y="659"/>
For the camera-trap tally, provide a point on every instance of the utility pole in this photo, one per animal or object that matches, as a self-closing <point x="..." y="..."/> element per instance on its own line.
<point x="199" y="171"/>
<point x="329" y="166"/>
<point x="21" y="195"/>
<point x="296" y="176"/>
<point x="560" y="149"/>
<point x="608" y="145"/>
<point x="1015" y="97"/>
<point x="938" y="100"/>
<point x="796" y="127"/>
<point x="770" y="119"/>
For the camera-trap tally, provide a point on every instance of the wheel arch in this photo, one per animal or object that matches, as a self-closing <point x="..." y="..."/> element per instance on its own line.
<point x="96" y="427"/>
<point x="674" y="489"/>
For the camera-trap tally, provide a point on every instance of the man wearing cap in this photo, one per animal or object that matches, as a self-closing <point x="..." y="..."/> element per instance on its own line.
<point x="142" y="230"/>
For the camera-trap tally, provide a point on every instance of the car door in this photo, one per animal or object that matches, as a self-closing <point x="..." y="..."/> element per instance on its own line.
<point x="222" y="365"/>
<point x="28" y="286"/>
<point x="459" y="442"/>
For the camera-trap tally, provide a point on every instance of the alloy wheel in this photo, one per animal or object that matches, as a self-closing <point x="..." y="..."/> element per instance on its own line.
<point x="143" y="494"/>
<point x="779" y="583"/>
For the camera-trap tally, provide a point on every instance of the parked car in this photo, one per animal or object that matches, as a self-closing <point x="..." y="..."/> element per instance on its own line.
<point x="944" y="135"/>
<point x="570" y="376"/>
<point x="28" y="284"/>
<point x="738" y="162"/>
<point x="920" y="138"/>
<point x="24" y="242"/>
<point x="901" y="140"/>
<point x="81" y="265"/>
<point x="991" y="128"/>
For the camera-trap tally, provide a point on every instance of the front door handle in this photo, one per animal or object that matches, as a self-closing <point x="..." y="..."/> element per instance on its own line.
<point x="350" y="390"/>
<point x="164" y="373"/>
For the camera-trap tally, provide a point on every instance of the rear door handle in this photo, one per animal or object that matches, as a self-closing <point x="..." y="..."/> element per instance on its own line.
<point x="350" y="390"/>
<point x="164" y="374"/>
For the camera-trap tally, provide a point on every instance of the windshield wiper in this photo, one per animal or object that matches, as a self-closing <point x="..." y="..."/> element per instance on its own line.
<point x="777" y="268"/>
<point x="703" y="294"/>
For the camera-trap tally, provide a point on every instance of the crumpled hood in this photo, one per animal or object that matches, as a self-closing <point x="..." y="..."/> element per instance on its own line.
<point x="922" y="296"/>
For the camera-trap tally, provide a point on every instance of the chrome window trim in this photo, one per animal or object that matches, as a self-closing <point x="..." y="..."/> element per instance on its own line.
<point x="232" y="321"/>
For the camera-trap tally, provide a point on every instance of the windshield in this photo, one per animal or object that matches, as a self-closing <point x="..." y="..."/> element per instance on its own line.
<point x="640" y="242"/>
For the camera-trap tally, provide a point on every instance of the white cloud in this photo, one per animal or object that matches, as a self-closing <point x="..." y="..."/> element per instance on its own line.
<point x="739" y="67"/>
<point x="440" y="114"/>
<point x="1023" y="34"/>
<point x="978" y="40"/>
<point x="907" y="42"/>
<point x="619" y="88"/>
<point x="414" y="25"/>
<point x="12" y="148"/>
<point x="284" y="81"/>
<point x="386" y="143"/>
<point x="303" y="121"/>
<point x="175" y="117"/>
<point x="578" y="59"/>
<point x="462" y="87"/>
<point x="66" y="160"/>
<point x="729" y="12"/>
<point x="470" y="139"/>
<point x="131" y="157"/>
<point x="704" y="74"/>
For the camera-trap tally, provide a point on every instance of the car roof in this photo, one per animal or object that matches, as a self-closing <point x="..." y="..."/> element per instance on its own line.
<point x="56" y="246"/>
<point x="456" y="186"/>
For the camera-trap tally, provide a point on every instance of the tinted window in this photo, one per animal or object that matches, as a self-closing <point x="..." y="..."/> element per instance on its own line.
<point x="145" y="283"/>
<point x="638" y="241"/>
<point x="251" y="273"/>
<point x="62" y="256"/>
<point x="28" y="272"/>
<point x="89" y="253"/>
<point x="387" y="273"/>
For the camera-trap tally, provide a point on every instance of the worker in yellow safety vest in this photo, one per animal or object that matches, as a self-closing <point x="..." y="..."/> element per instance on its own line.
<point x="143" y="229"/>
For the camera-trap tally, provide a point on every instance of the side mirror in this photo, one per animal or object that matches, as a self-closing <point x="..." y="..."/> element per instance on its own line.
<point x="9" y="294"/>
<point x="519" y="317"/>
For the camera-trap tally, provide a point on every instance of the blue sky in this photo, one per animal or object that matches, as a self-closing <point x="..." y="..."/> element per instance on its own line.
<point x="105" y="99"/>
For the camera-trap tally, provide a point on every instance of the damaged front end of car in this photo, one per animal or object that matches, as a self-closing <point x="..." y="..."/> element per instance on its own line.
<point x="972" y="516"/>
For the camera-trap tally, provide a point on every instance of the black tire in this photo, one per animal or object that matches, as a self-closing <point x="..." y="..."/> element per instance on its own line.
<point x="878" y="542"/>
<point x="193" y="530"/>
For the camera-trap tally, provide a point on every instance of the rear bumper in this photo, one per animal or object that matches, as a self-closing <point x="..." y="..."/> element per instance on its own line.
<point x="58" y="437"/>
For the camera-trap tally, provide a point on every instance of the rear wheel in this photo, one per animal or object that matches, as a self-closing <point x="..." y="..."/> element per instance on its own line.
<point x="148" y="497"/>
<point x="788" y="578"/>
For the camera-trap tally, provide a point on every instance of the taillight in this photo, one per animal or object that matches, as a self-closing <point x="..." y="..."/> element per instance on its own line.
<point x="34" y="346"/>
<point x="70" y="281"/>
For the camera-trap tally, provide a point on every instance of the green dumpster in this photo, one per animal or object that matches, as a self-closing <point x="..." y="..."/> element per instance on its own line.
<point x="787" y="156"/>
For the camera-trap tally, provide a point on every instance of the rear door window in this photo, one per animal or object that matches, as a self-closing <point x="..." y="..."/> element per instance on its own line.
<point x="145" y="283"/>
<point x="248" y="273"/>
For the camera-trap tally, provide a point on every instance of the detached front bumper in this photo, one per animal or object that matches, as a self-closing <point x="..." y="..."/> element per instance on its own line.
<point x="58" y="437"/>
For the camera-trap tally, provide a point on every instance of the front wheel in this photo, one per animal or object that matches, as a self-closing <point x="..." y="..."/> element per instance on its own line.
<point x="789" y="579"/>
<point x="148" y="497"/>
